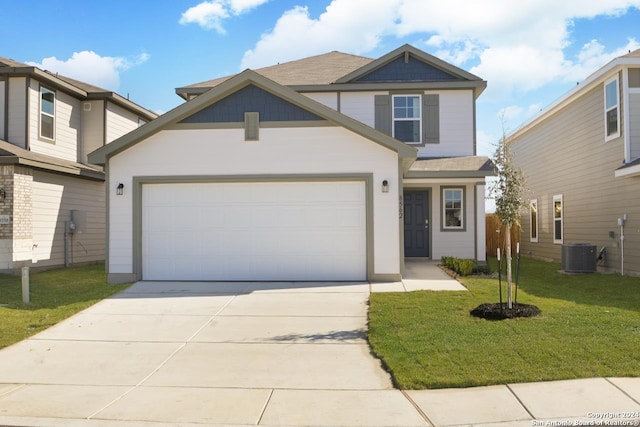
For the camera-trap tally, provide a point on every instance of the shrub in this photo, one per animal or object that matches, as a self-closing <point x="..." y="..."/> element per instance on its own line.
<point x="464" y="267"/>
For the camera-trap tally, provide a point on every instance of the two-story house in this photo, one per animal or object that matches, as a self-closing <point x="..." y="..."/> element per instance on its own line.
<point x="52" y="201"/>
<point x="333" y="167"/>
<point x="581" y="159"/>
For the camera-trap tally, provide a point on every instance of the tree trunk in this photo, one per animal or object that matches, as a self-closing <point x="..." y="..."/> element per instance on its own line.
<point x="508" y="259"/>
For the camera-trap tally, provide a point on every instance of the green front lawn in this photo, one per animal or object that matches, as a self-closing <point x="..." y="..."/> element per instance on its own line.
<point x="589" y="327"/>
<point x="55" y="295"/>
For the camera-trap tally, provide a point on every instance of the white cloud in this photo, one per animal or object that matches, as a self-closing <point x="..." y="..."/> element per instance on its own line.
<point x="89" y="67"/>
<point x="593" y="55"/>
<point x="343" y="26"/>
<point x="518" y="46"/>
<point x="210" y="14"/>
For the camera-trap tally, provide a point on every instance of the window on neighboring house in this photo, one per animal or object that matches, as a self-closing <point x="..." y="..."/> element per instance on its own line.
<point x="611" y="109"/>
<point x="407" y="118"/>
<point x="533" y="220"/>
<point x="557" y="219"/>
<point x="47" y="113"/>
<point x="453" y="209"/>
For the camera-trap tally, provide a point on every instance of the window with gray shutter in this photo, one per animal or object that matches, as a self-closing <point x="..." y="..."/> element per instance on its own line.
<point x="385" y="118"/>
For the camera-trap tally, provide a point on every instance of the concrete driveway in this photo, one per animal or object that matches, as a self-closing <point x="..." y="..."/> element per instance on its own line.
<point x="258" y="354"/>
<point x="215" y="353"/>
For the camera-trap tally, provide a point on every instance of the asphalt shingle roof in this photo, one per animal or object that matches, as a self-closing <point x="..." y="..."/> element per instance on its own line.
<point x="314" y="70"/>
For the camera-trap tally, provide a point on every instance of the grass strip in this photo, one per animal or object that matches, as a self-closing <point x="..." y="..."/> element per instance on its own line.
<point x="55" y="296"/>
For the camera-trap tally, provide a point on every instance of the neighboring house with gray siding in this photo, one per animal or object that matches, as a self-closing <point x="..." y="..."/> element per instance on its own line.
<point x="52" y="203"/>
<point x="332" y="167"/>
<point x="581" y="159"/>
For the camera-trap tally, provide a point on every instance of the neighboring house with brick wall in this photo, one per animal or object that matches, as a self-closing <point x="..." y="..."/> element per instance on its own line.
<point x="581" y="159"/>
<point x="52" y="202"/>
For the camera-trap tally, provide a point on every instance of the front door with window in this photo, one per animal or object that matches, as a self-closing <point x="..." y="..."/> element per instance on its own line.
<point x="416" y="224"/>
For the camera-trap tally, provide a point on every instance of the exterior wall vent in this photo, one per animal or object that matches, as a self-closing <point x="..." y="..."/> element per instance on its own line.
<point x="87" y="106"/>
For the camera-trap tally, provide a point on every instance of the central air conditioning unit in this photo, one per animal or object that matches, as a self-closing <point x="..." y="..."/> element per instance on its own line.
<point x="579" y="258"/>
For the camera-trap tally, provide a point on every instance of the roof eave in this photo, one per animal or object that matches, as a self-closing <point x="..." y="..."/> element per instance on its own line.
<point x="51" y="167"/>
<point x="449" y="174"/>
<point x="46" y="77"/>
<point x="627" y="171"/>
<point x="478" y="86"/>
<point x="582" y="88"/>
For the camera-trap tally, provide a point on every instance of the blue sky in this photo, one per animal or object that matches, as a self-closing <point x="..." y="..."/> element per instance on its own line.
<point x="530" y="51"/>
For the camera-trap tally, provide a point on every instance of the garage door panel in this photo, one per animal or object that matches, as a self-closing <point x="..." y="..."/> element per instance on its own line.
<point x="254" y="231"/>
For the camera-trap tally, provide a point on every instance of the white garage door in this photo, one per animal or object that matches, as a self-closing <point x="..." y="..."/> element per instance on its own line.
<point x="254" y="231"/>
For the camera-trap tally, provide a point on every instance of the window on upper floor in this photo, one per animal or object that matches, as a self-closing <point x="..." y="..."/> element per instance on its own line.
<point x="558" y="218"/>
<point x="410" y="118"/>
<point x="452" y="209"/>
<point x="407" y="118"/>
<point x="611" y="109"/>
<point x="47" y="113"/>
<point x="533" y="220"/>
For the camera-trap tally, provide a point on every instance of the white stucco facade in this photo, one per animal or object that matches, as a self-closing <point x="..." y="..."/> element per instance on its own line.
<point x="333" y="152"/>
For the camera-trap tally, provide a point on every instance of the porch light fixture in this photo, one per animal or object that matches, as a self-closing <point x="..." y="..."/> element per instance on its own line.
<point x="120" y="189"/>
<point x="3" y="195"/>
<point x="385" y="186"/>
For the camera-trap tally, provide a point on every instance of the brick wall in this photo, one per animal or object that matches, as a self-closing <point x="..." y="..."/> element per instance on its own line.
<point x="6" y="208"/>
<point x="22" y="207"/>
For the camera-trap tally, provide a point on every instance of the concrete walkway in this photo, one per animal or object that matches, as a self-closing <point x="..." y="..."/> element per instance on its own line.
<point x="268" y="354"/>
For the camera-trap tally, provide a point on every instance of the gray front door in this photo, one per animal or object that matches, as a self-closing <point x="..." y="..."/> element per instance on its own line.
<point x="416" y="224"/>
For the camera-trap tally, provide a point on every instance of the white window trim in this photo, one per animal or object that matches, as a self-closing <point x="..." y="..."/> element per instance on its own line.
<point x="558" y="197"/>
<point x="617" y="107"/>
<point x="460" y="227"/>
<point x="419" y="118"/>
<point x="53" y="116"/>
<point x="534" y="202"/>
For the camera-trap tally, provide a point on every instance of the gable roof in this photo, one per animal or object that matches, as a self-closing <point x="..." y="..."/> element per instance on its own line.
<point x="82" y="90"/>
<point x="233" y="85"/>
<point x="325" y="72"/>
<point x="406" y="51"/>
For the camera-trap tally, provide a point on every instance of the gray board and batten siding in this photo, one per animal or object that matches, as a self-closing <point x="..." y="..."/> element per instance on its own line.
<point x="270" y="107"/>
<point x="407" y="69"/>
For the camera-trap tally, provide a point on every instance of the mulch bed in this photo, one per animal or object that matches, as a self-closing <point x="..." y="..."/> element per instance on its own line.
<point x="494" y="311"/>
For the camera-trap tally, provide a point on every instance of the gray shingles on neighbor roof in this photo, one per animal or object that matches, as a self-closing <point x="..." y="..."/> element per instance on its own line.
<point x="11" y="154"/>
<point x="79" y="88"/>
<point x="6" y="62"/>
